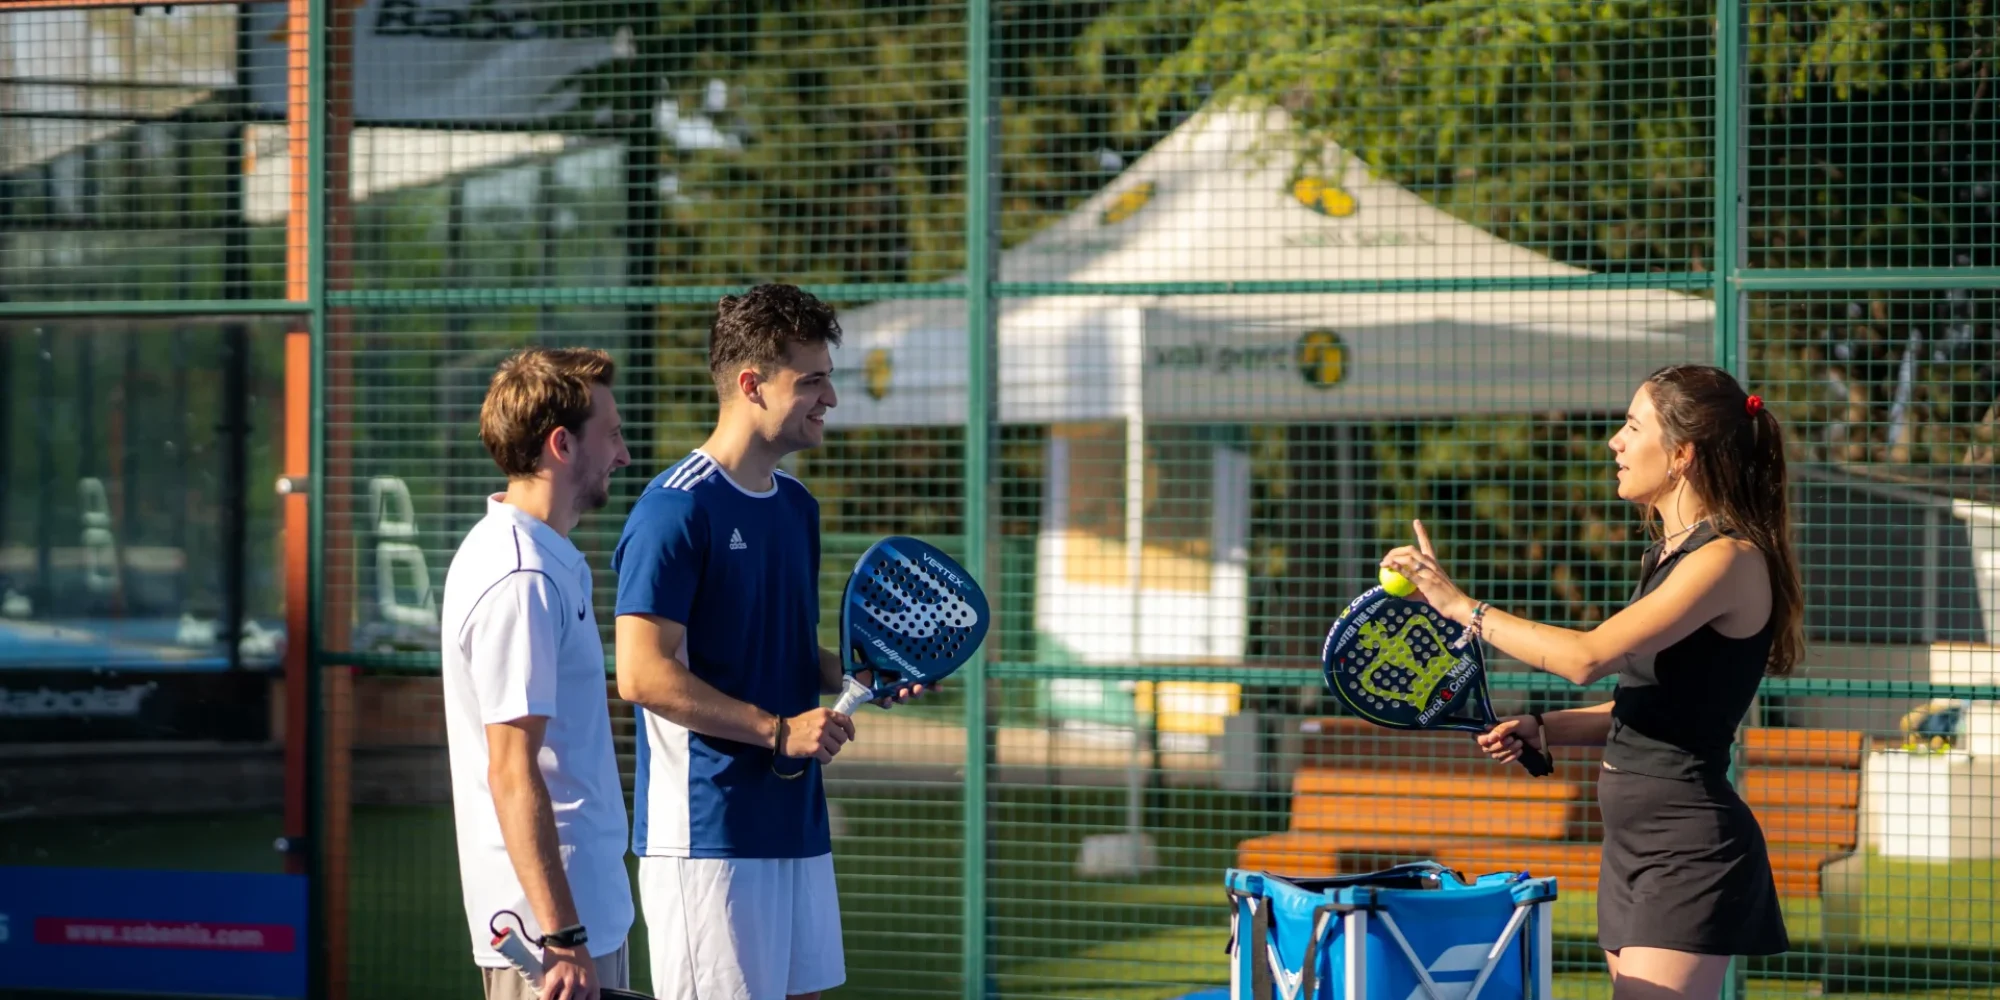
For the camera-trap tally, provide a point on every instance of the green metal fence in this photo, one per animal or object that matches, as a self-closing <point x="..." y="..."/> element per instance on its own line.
<point x="1167" y="317"/>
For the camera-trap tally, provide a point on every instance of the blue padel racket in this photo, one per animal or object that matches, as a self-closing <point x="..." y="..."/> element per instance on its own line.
<point x="1402" y="665"/>
<point x="911" y="614"/>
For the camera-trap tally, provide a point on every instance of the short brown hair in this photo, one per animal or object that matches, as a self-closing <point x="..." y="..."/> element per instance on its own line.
<point x="758" y="328"/>
<point x="533" y="392"/>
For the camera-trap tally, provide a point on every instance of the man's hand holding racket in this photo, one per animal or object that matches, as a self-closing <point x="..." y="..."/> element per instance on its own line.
<point x="910" y="616"/>
<point x="568" y="974"/>
<point x="907" y="692"/>
<point x="816" y="733"/>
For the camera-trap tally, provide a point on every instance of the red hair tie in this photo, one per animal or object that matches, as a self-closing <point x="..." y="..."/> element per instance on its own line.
<point x="1753" y="404"/>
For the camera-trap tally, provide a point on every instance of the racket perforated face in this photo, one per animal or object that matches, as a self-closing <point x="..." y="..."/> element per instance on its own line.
<point x="1392" y="662"/>
<point x="1395" y="663"/>
<point x="911" y="614"/>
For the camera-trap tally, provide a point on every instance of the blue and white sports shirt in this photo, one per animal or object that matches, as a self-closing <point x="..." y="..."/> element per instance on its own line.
<point x="741" y="570"/>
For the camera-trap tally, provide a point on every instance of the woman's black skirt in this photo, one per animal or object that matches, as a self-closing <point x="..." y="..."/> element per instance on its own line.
<point x="1685" y="868"/>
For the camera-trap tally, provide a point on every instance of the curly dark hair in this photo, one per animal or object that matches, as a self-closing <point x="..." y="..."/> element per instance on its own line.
<point x="758" y="328"/>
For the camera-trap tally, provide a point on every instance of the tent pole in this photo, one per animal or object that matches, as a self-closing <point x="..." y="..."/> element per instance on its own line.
<point x="1135" y="540"/>
<point x="1349" y="559"/>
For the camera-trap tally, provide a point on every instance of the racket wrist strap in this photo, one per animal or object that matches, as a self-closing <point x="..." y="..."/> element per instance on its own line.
<point x="778" y="736"/>
<point x="1541" y="727"/>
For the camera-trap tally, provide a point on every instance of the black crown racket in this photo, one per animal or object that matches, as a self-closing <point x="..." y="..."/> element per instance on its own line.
<point x="1403" y="665"/>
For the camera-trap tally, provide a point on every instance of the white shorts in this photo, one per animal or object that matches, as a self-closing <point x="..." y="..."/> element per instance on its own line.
<point x="741" y="928"/>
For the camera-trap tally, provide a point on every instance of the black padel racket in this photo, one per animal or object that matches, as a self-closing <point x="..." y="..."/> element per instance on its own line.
<point x="1402" y="665"/>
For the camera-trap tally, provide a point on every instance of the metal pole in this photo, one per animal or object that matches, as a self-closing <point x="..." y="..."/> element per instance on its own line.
<point x="236" y="350"/>
<point x="457" y="347"/>
<point x="1348" y="557"/>
<point x="235" y="434"/>
<point x="45" y="473"/>
<point x="1731" y="304"/>
<point x="1135" y="554"/>
<point x="325" y="953"/>
<point x="1730" y="257"/>
<point x="981" y="334"/>
<point x="641" y="232"/>
<point x="177" y="427"/>
<point x="1932" y="540"/>
<point x="8" y="394"/>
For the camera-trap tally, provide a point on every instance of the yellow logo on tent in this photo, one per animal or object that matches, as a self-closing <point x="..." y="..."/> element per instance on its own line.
<point x="1322" y="358"/>
<point x="1324" y="196"/>
<point x="1127" y="204"/>
<point x="876" y="369"/>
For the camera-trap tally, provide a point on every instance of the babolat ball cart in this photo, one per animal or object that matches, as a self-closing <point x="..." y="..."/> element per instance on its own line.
<point x="1412" y="932"/>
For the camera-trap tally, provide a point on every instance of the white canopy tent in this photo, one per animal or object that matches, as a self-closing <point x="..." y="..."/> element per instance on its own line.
<point x="1225" y="199"/>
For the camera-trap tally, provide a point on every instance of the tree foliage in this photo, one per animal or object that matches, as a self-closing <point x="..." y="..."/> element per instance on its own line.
<point x="1581" y="128"/>
<point x="1587" y="131"/>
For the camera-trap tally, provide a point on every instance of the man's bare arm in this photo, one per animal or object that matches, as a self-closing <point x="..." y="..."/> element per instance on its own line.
<point x="653" y="673"/>
<point x="527" y="819"/>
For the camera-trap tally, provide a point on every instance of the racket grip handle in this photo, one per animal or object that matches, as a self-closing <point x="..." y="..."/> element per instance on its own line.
<point x="514" y="948"/>
<point x="1537" y="762"/>
<point x="853" y="695"/>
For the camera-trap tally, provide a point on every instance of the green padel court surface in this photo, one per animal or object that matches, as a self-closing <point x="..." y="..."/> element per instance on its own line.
<point x="1929" y="929"/>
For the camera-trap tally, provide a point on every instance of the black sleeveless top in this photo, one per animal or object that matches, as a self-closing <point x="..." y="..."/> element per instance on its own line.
<point x="1675" y="716"/>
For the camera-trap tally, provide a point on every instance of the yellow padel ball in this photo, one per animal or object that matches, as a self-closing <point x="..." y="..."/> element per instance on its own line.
<point x="1395" y="583"/>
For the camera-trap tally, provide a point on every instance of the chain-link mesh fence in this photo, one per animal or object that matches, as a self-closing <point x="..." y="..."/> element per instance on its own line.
<point x="1265" y="281"/>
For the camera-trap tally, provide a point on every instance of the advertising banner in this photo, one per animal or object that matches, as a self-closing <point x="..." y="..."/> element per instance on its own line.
<point x="173" y="933"/>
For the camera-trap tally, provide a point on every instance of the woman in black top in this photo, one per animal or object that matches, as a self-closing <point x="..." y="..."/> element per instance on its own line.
<point x="1685" y="880"/>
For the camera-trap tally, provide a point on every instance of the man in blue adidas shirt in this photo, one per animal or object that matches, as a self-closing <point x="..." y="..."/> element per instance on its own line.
<point x="717" y="643"/>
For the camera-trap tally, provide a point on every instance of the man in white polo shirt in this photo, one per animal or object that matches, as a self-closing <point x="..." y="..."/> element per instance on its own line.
<point x="535" y="790"/>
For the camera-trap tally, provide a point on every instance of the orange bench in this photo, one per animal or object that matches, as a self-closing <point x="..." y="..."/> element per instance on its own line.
<point x="1363" y="801"/>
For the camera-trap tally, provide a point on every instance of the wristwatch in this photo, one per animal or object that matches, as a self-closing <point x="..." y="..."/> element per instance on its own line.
<point x="572" y="936"/>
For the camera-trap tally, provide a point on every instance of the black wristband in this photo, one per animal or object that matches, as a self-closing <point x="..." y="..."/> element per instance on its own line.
<point x="572" y="936"/>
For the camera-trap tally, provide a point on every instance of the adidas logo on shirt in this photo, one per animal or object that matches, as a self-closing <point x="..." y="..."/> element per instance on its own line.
<point x="736" y="540"/>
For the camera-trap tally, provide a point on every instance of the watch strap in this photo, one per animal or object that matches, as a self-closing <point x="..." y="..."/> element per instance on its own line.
<point x="567" y="937"/>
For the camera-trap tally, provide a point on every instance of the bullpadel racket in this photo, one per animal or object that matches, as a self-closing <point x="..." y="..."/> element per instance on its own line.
<point x="911" y="614"/>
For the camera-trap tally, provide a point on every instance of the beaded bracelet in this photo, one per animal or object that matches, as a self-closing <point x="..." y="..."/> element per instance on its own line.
<point x="1473" y="628"/>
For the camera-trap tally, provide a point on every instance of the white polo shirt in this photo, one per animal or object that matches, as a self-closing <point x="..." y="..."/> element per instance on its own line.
<point x="520" y="638"/>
